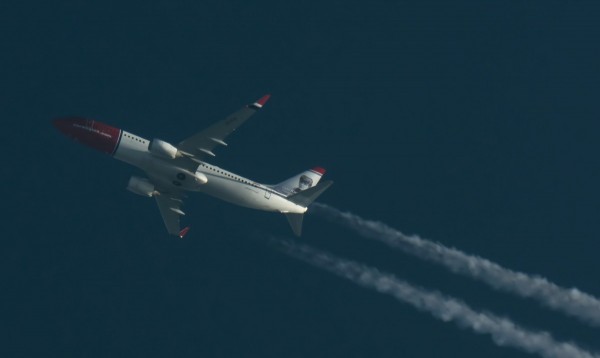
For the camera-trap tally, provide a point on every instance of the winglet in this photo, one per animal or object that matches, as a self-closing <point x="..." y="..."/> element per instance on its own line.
<point x="261" y="102"/>
<point x="183" y="232"/>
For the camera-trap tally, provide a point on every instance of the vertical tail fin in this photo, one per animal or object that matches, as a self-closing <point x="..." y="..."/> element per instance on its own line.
<point x="300" y="182"/>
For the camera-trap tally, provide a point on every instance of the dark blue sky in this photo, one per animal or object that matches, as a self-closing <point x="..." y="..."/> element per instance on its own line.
<point x="472" y="123"/>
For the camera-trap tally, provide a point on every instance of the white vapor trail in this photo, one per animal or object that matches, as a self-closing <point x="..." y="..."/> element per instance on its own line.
<point x="571" y="302"/>
<point x="503" y="331"/>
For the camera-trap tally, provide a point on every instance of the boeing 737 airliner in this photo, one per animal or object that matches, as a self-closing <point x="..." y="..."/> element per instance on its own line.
<point x="173" y="170"/>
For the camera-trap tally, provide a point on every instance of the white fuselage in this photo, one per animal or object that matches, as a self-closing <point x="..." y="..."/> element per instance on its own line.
<point x="220" y="183"/>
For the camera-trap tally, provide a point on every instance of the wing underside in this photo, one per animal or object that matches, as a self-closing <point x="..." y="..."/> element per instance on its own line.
<point x="170" y="210"/>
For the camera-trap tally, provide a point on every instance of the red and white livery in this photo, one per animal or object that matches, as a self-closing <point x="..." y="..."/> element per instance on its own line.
<point x="172" y="170"/>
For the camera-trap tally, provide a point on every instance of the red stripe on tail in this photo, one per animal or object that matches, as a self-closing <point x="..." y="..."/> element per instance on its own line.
<point x="318" y="170"/>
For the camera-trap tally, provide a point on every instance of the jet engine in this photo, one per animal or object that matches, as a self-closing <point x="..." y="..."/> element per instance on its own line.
<point x="162" y="149"/>
<point x="141" y="186"/>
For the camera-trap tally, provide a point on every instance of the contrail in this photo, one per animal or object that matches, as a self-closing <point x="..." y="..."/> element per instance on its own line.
<point x="503" y="331"/>
<point x="572" y="302"/>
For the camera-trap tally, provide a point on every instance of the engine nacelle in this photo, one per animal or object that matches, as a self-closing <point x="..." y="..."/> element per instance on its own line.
<point x="141" y="186"/>
<point x="162" y="149"/>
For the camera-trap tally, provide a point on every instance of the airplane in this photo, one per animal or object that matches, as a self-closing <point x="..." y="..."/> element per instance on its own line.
<point x="174" y="170"/>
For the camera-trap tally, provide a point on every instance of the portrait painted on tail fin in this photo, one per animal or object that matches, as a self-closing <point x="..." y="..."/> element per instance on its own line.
<point x="303" y="183"/>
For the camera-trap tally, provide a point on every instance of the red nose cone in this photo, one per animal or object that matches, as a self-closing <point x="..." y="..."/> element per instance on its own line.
<point x="91" y="133"/>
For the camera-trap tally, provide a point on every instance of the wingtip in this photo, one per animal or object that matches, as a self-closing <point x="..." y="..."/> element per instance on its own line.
<point x="261" y="102"/>
<point x="184" y="232"/>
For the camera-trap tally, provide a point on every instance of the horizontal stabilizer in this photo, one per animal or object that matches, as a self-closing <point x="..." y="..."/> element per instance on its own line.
<point x="295" y="221"/>
<point x="307" y="196"/>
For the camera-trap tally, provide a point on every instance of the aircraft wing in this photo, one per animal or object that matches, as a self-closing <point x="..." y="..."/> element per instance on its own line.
<point x="170" y="209"/>
<point x="202" y="144"/>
